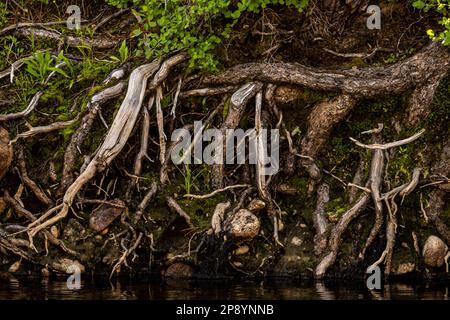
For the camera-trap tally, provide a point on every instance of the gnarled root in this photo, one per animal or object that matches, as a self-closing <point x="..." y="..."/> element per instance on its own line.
<point x="119" y="132"/>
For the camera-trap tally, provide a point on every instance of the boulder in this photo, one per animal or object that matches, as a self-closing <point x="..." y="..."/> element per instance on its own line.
<point x="179" y="270"/>
<point x="434" y="251"/>
<point x="243" y="225"/>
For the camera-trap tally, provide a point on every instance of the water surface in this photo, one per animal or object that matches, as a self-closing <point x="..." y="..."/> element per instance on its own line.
<point x="223" y="290"/>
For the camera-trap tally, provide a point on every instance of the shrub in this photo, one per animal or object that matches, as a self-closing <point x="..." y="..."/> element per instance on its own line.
<point x="196" y="25"/>
<point x="443" y="8"/>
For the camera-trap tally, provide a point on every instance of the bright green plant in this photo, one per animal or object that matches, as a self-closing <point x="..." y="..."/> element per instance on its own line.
<point x="195" y="25"/>
<point x="123" y="53"/>
<point x="443" y="8"/>
<point x="42" y="64"/>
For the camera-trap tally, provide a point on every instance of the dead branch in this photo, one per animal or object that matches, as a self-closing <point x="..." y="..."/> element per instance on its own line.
<point x="114" y="141"/>
<point x="171" y="202"/>
<point x="391" y="144"/>
<point x="72" y="41"/>
<point x="336" y="235"/>
<point x="27" y="214"/>
<point x="144" y="203"/>
<point x="207" y="91"/>
<point x="44" y="129"/>
<point x="33" y="103"/>
<point x="109" y="18"/>
<point x="218" y="216"/>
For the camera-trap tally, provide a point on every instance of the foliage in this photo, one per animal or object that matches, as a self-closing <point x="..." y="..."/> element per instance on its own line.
<point x="443" y="8"/>
<point x="123" y="53"/>
<point x="3" y="13"/>
<point x="197" y="25"/>
<point x="42" y="64"/>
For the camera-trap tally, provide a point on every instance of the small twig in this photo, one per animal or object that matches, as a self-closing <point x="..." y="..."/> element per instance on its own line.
<point x="212" y="194"/>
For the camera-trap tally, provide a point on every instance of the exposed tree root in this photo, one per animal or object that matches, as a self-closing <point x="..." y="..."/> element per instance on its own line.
<point x="363" y="82"/>
<point x="41" y="195"/>
<point x="320" y="220"/>
<point x="420" y="100"/>
<point x="173" y="204"/>
<point x="321" y="122"/>
<point x="72" y="41"/>
<point x="77" y="139"/>
<point x="237" y="106"/>
<point x="437" y="196"/>
<point x="33" y="103"/>
<point x="374" y="183"/>
<point x="55" y="126"/>
<point x="119" y="132"/>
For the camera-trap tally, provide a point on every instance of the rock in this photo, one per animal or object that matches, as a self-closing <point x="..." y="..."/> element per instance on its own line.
<point x="243" y="226"/>
<point x="63" y="265"/>
<point x="54" y="231"/>
<point x="15" y="266"/>
<point x="102" y="217"/>
<point x="285" y="94"/>
<point x="241" y="250"/>
<point x="256" y="205"/>
<point x="179" y="270"/>
<point x="404" y="268"/>
<point x="6" y="152"/>
<point x="296" y="241"/>
<point x="45" y="272"/>
<point x="237" y="264"/>
<point x="434" y="251"/>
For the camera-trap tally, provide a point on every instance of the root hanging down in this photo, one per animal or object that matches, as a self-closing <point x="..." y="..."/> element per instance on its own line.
<point x="373" y="185"/>
<point x="118" y="134"/>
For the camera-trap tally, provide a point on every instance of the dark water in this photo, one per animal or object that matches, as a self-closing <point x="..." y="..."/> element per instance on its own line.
<point x="210" y="290"/>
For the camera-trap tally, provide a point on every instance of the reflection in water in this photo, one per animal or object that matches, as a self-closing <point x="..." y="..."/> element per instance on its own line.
<point x="24" y="288"/>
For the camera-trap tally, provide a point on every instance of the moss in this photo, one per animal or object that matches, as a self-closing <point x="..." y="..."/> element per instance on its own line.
<point x="337" y="206"/>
